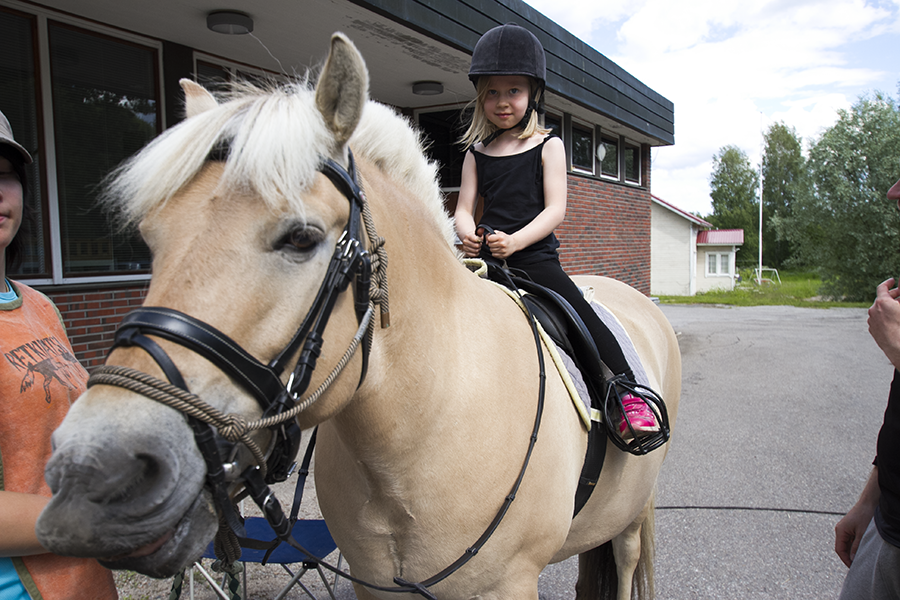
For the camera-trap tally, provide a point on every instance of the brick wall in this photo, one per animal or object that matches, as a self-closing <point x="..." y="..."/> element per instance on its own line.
<point x="607" y="231"/>
<point x="91" y="316"/>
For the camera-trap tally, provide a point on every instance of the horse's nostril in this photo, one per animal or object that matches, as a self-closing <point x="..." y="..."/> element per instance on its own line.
<point x="137" y="482"/>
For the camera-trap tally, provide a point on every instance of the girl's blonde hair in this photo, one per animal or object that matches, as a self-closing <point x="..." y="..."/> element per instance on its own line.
<point x="480" y="128"/>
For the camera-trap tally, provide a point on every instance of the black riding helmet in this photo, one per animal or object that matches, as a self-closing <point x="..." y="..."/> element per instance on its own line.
<point x="508" y="50"/>
<point x="511" y="50"/>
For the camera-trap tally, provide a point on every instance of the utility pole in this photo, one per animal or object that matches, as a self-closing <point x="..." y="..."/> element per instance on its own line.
<point x="762" y="151"/>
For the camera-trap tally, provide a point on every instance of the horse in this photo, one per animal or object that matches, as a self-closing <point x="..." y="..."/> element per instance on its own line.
<point x="421" y="437"/>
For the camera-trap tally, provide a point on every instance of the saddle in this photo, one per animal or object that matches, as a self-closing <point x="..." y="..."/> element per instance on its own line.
<point x="568" y="331"/>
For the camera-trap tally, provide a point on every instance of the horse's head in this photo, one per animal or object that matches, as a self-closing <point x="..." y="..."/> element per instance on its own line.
<point x="243" y="206"/>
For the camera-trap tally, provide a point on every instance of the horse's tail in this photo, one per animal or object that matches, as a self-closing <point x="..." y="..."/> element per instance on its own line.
<point x="643" y="588"/>
<point x="597" y="576"/>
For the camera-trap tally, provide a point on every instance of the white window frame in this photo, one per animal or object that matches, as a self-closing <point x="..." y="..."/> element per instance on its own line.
<point x="729" y="256"/>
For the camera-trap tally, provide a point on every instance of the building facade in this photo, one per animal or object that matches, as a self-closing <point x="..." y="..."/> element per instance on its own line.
<point x="86" y="83"/>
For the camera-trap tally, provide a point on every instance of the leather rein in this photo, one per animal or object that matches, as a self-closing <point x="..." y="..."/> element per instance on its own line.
<point x="350" y="264"/>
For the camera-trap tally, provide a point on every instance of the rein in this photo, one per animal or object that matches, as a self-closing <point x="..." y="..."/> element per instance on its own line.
<point x="280" y="402"/>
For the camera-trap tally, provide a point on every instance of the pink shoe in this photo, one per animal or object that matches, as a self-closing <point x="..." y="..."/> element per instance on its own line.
<point x="642" y="419"/>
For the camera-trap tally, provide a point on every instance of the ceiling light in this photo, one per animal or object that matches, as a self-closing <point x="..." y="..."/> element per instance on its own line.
<point x="427" y="88"/>
<point x="229" y="22"/>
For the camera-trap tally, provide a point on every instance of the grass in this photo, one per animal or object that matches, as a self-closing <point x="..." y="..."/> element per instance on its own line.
<point x="796" y="289"/>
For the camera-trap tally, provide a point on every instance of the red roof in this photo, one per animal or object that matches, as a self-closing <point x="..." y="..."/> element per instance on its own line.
<point x="721" y="237"/>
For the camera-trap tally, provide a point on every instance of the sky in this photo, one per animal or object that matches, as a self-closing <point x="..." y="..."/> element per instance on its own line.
<point x="733" y="68"/>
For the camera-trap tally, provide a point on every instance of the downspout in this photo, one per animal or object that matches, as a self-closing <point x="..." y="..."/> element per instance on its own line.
<point x="692" y="251"/>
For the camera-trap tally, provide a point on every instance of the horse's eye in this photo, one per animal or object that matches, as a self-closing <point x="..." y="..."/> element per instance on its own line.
<point x="302" y="239"/>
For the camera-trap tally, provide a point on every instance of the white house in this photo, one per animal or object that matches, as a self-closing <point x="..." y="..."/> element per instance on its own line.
<point x="716" y="251"/>
<point x="673" y="249"/>
<point x="686" y="255"/>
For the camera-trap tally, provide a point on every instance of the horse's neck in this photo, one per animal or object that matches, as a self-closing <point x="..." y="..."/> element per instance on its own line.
<point x="430" y="297"/>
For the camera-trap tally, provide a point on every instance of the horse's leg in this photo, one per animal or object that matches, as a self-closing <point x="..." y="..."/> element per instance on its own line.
<point x="627" y="550"/>
<point x="633" y="551"/>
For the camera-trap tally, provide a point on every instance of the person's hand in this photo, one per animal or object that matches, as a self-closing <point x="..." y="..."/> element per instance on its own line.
<point x="502" y="245"/>
<point x="849" y="531"/>
<point x="884" y="320"/>
<point x="471" y="245"/>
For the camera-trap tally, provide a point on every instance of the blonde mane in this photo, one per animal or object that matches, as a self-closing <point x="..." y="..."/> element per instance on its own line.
<point x="277" y="139"/>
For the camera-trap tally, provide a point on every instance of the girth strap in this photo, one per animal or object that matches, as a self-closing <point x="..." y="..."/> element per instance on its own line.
<point x="581" y="347"/>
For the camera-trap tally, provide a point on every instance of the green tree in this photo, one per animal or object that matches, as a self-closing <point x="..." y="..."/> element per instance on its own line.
<point x="783" y="172"/>
<point x="733" y="189"/>
<point x="845" y="226"/>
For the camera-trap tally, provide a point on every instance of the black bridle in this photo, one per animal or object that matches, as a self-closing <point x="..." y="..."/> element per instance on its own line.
<point x="350" y="263"/>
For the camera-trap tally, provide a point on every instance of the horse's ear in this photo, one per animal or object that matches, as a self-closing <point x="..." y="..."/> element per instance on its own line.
<point x="342" y="88"/>
<point x="197" y="98"/>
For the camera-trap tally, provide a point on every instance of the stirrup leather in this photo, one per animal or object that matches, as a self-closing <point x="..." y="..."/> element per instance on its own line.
<point x="614" y="409"/>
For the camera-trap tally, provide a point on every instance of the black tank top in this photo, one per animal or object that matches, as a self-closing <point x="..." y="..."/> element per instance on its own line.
<point x="513" y="191"/>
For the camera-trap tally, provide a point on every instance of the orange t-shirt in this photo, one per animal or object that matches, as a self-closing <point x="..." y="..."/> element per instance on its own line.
<point x="40" y="378"/>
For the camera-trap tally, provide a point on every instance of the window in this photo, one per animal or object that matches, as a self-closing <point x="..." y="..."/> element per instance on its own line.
<point x="217" y="76"/>
<point x="442" y="129"/>
<point x="609" y="165"/>
<point x="554" y="124"/>
<point x="212" y="77"/>
<point x="582" y="148"/>
<point x="718" y="264"/>
<point x="632" y="163"/>
<point x="105" y="107"/>
<point x="18" y="99"/>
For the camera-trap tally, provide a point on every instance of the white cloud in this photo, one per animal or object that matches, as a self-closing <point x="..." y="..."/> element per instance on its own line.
<point x="734" y="67"/>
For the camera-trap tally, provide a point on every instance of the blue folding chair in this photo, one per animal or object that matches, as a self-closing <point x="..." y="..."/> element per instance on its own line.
<point x="312" y="534"/>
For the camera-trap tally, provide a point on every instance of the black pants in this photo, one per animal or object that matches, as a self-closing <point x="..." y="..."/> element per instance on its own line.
<point x="549" y="273"/>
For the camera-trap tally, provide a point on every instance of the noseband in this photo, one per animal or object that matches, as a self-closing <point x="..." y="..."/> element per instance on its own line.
<point x="350" y="264"/>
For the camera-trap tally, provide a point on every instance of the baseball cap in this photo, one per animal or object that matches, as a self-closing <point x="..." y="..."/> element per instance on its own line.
<point x="6" y="137"/>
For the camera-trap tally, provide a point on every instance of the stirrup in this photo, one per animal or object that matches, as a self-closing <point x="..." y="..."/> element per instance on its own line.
<point x="613" y="409"/>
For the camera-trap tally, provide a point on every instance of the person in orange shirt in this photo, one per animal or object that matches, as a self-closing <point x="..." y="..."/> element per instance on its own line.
<point x="39" y="380"/>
